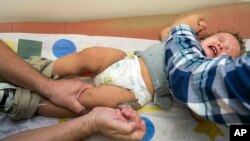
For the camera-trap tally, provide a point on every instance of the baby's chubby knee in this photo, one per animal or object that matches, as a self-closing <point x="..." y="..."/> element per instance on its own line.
<point x="92" y="50"/>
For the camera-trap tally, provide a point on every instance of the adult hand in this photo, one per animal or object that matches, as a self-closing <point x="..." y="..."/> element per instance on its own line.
<point x="197" y="22"/>
<point x="122" y="123"/>
<point x="65" y="93"/>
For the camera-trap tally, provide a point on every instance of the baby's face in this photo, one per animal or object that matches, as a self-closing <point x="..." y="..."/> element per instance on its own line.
<point x="221" y="44"/>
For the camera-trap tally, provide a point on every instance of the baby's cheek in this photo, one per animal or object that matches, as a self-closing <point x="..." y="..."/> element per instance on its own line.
<point x="225" y="53"/>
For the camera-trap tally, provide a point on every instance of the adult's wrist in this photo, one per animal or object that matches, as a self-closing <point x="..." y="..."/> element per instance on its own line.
<point x="45" y="87"/>
<point x="88" y="124"/>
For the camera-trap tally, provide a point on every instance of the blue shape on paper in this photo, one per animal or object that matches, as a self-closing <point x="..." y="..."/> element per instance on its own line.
<point x="150" y="129"/>
<point x="63" y="47"/>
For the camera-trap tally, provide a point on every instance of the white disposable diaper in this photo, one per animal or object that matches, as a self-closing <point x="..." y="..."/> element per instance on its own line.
<point x="126" y="73"/>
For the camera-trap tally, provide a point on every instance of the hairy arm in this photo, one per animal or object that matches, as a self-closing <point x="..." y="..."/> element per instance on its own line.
<point x="73" y="130"/>
<point x="14" y="69"/>
<point x="61" y="92"/>
<point x="122" y="123"/>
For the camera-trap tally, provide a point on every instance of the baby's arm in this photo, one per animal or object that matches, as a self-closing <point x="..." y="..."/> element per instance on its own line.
<point x="103" y="95"/>
<point x="195" y="21"/>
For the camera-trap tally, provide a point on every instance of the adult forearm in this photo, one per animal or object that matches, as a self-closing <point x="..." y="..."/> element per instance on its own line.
<point x="73" y="130"/>
<point x="20" y="72"/>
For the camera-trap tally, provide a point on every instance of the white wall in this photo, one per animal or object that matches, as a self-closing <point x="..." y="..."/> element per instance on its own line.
<point x="75" y="10"/>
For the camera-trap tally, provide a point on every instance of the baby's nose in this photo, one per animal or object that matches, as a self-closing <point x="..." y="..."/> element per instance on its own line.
<point x="220" y="46"/>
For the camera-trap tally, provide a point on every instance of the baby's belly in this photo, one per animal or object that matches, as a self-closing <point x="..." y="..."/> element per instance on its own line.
<point x="146" y="76"/>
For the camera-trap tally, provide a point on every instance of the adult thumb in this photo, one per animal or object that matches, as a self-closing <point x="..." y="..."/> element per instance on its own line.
<point x="78" y="108"/>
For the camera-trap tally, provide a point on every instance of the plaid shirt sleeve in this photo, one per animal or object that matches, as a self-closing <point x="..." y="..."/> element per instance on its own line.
<point x="217" y="89"/>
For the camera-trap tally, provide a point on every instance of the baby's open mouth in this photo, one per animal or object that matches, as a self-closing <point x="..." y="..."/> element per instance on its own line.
<point x="213" y="49"/>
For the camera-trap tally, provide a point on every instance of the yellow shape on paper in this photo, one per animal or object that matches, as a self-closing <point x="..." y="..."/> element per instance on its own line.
<point x="209" y="128"/>
<point x="149" y="109"/>
<point x="131" y="55"/>
<point x="62" y="120"/>
<point x="84" y="47"/>
<point x="11" y="45"/>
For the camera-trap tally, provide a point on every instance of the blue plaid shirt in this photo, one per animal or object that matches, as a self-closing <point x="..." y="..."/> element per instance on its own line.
<point x="217" y="89"/>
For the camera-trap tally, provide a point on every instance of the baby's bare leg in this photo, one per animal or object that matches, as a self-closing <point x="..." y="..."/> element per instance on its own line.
<point x="49" y="109"/>
<point x="104" y="96"/>
<point x="94" y="59"/>
<point x="107" y="96"/>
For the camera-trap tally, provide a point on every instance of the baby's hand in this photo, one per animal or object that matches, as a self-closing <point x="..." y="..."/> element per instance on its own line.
<point x="202" y="27"/>
<point x="165" y="32"/>
<point x="195" y="21"/>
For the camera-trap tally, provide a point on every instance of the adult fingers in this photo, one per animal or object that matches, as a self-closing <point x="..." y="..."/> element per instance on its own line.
<point x="137" y="134"/>
<point x="77" y="107"/>
<point x="131" y="114"/>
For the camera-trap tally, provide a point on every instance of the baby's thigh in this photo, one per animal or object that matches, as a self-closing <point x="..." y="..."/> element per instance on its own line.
<point x="107" y="96"/>
<point x="49" y="109"/>
<point x="99" y="58"/>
